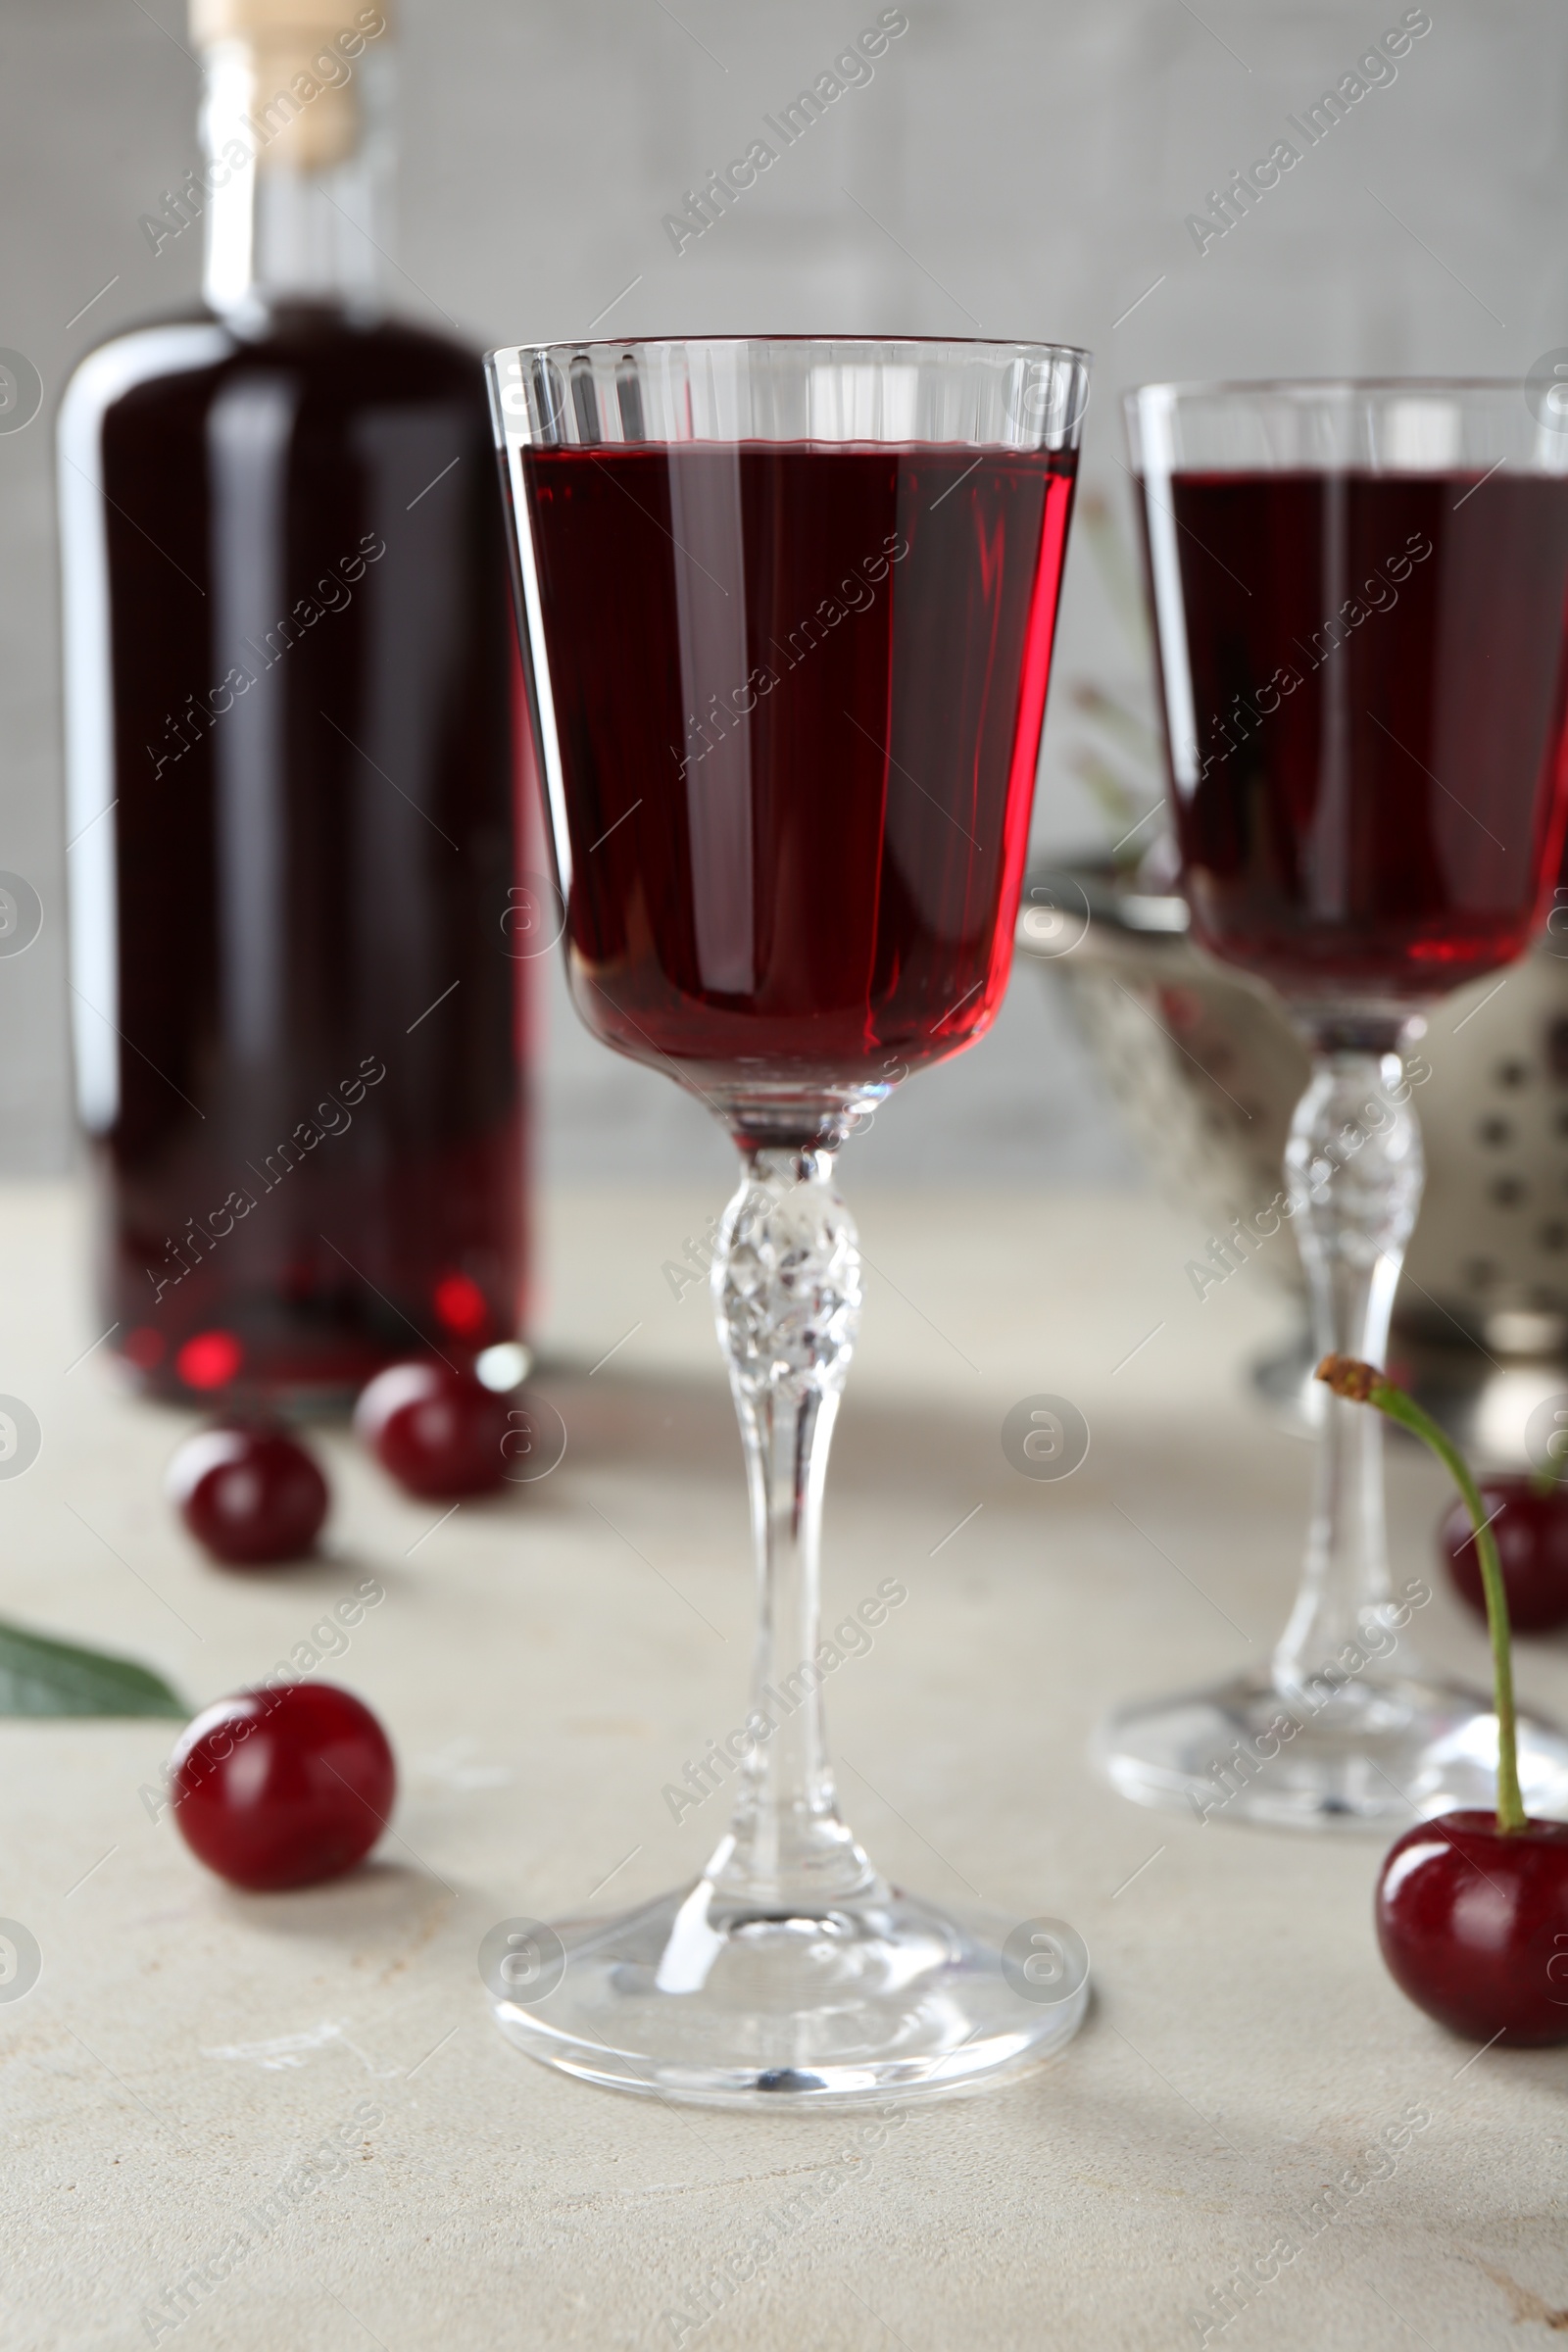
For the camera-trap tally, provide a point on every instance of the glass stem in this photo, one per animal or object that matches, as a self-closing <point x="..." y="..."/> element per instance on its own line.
<point x="1354" y="1169"/>
<point x="787" y="1298"/>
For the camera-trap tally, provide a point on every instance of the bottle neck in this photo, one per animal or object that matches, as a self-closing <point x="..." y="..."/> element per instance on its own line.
<point x="299" y="170"/>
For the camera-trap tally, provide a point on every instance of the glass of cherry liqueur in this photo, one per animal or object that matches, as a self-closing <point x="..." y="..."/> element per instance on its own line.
<point x="788" y="608"/>
<point x="1359" y="601"/>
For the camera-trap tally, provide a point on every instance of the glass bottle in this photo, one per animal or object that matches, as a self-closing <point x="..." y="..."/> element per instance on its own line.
<point x="294" y="765"/>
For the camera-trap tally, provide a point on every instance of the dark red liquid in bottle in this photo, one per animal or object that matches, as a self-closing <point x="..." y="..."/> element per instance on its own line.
<point x="297" y="1016"/>
<point x="1371" y="801"/>
<point x="798" y="695"/>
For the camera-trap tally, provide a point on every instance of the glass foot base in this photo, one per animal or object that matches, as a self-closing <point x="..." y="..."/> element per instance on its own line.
<point x="1373" y="1758"/>
<point x="872" y="1996"/>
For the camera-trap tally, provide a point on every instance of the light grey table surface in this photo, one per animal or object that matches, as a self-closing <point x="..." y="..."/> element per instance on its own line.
<point x="545" y="1664"/>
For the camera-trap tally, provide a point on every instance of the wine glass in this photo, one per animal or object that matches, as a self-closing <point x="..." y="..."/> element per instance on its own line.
<point x="1358" y="594"/>
<point x="787" y="610"/>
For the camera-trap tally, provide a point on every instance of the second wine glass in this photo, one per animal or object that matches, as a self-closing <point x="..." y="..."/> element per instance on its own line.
<point x="1358" y="594"/>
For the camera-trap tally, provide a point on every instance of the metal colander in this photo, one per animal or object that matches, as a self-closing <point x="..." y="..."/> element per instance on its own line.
<point x="1208" y="1070"/>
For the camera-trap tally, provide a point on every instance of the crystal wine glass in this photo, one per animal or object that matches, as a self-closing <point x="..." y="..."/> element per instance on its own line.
<point x="787" y="608"/>
<point x="1358" y="594"/>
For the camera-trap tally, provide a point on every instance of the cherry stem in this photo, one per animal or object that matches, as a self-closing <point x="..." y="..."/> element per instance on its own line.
<point x="1364" y="1384"/>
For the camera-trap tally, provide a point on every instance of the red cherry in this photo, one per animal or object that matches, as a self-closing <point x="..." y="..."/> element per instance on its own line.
<point x="1473" y="1924"/>
<point x="284" y="1788"/>
<point x="437" y="1430"/>
<point x="249" y="1495"/>
<point x="1531" y="1527"/>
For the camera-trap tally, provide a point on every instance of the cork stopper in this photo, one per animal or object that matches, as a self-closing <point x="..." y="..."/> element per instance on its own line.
<point x="305" y="105"/>
<point x="311" y="21"/>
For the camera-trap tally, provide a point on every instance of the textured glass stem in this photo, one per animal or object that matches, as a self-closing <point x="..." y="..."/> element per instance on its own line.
<point x="787" y="1298"/>
<point x="1353" y="1168"/>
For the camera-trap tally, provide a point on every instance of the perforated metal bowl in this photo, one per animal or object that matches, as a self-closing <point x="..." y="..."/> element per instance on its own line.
<point x="1207" y="1069"/>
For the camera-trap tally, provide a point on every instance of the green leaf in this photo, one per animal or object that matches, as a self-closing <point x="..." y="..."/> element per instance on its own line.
<point x="39" y="1677"/>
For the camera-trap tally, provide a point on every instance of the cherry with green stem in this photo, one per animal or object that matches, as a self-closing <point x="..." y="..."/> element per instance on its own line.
<point x="1471" y="1908"/>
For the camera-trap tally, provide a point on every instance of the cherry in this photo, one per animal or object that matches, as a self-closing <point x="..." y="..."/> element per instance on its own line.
<point x="1473" y="1924"/>
<point x="284" y="1788"/>
<point x="249" y="1494"/>
<point x="1530" y="1526"/>
<point x="1472" y="1908"/>
<point x="439" y="1430"/>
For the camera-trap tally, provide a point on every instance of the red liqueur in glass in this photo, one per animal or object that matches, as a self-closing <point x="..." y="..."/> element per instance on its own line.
<point x="1374" y="692"/>
<point x="1359" y="592"/>
<point x="813" y="876"/>
<point x="788" y="607"/>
